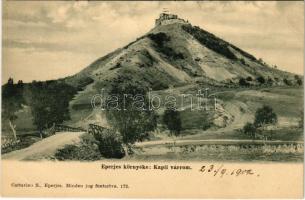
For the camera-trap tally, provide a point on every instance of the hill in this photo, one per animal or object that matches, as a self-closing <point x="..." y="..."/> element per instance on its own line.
<point x="174" y="54"/>
<point x="177" y="55"/>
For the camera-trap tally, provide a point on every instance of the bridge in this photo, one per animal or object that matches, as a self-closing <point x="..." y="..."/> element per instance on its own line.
<point x="62" y="128"/>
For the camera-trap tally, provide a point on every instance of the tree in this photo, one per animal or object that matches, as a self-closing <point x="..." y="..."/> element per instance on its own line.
<point x="265" y="116"/>
<point x="243" y="82"/>
<point x="9" y="110"/>
<point x="261" y="79"/>
<point x="270" y="81"/>
<point x="172" y="120"/>
<point x="287" y="82"/>
<point x="20" y="83"/>
<point x="128" y="110"/>
<point x="10" y="81"/>
<point x="49" y="103"/>
<point x="250" y="129"/>
<point x="12" y="100"/>
<point x="298" y="80"/>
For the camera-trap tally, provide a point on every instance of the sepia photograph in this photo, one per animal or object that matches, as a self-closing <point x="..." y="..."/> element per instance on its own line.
<point x="175" y="91"/>
<point x="150" y="81"/>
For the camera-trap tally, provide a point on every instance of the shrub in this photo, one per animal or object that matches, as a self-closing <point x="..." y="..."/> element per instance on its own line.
<point x="206" y="125"/>
<point x="172" y="120"/>
<point x="270" y="81"/>
<point x="243" y="82"/>
<point x="250" y="129"/>
<point x="161" y="39"/>
<point x="287" y="82"/>
<point x="110" y="144"/>
<point x="243" y="61"/>
<point x="298" y="80"/>
<point x="264" y="116"/>
<point x="261" y="80"/>
<point x="87" y="150"/>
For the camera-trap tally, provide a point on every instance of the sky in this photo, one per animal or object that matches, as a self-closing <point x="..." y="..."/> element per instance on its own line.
<point x="44" y="40"/>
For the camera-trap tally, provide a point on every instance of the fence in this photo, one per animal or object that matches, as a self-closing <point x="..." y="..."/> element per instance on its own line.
<point x="8" y="142"/>
<point x="62" y="128"/>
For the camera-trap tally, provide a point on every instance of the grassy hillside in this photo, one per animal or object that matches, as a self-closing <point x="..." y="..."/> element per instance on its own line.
<point x="179" y="59"/>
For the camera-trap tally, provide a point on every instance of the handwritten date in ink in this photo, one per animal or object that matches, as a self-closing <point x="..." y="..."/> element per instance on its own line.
<point x="221" y="171"/>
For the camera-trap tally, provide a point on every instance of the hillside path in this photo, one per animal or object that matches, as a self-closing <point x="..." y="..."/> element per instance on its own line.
<point x="44" y="148"/>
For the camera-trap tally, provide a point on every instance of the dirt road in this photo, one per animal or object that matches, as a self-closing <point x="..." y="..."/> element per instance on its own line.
<point x="45" y="148"/>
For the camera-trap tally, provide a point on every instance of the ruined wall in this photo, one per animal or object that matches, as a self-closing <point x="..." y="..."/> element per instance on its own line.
<point x="165" y="19"/>
<point x="170" y="21"/>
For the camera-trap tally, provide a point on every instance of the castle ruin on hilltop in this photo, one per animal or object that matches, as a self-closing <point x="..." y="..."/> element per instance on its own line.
<point x="166" y="18"/>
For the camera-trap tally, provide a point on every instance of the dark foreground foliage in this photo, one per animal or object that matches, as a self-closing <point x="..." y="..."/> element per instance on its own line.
<point x="132" y="120"/>
<point x="110" y="144"/>
<point x="87" y="150"/>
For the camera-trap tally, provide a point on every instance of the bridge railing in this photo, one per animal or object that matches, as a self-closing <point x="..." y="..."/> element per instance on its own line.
<point x="62" y="128"/>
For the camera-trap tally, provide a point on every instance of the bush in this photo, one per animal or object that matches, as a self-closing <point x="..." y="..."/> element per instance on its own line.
<point x="161" y="39"/>
<point x="298" y="80"/>
<point x="87" y="150"/>
<point x="261" y="80"/>
<point x="264" y="116"/>
<point x="110" y="144"/>
<point x="250" y="129"/>
<point x="172" y="120"/>
<point x="206" y="125"/>
<point x="243" y="61"/>
<point x="243" y="82"/>
<point x="287" y="82"/>
<point x="270" y="81"/>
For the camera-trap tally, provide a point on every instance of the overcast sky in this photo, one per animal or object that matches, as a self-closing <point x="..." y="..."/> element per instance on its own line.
<point x="47" y="40"/>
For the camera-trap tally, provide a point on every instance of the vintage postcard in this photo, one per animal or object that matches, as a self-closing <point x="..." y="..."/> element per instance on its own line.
<point x="172" y="99"/>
